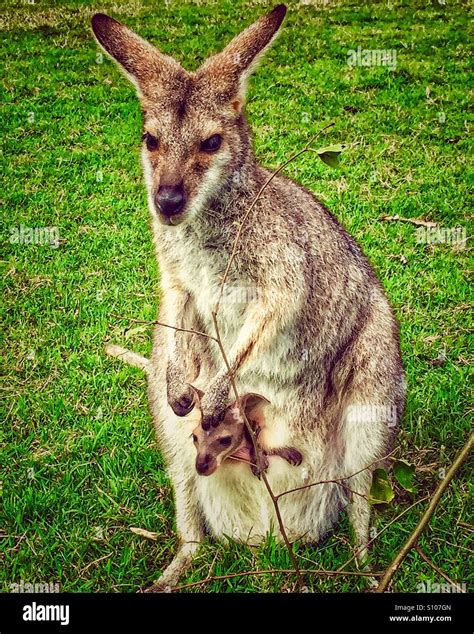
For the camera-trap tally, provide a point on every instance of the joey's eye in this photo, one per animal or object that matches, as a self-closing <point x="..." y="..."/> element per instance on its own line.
<point x="211" y="144"/>
<point x="225" y="442"/>
<point x="195" y="438"/>
<point x="151" y="141"/>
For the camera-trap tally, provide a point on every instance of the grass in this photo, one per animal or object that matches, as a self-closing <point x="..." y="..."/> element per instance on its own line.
<point x="79" y="464"/>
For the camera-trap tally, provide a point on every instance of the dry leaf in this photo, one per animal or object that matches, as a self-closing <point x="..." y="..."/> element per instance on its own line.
<point x="143" y="533"/>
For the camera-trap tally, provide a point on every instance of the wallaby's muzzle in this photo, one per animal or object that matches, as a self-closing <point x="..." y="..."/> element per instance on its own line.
<point x="170" y="201"/>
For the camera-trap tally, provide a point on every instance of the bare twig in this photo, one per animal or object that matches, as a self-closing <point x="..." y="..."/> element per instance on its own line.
<point x="254" y="202"/>
<point x="413" y="221"/>
<point x="412" y="540"/>
<point x="248" y="573"/>
<point x="160" y="323"/>
<point x="96" y="561"/>
<point x="256" y="449"/>
<point x="382" y="530"/>
<point x="438" y="570"/>
<point x="339" y="481"/>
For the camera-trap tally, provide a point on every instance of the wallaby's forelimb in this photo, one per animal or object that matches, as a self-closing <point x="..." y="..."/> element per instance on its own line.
<point x="132" y="358"/>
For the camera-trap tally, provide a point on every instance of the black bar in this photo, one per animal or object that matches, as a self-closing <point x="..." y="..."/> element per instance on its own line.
<point x="242" y="613"/>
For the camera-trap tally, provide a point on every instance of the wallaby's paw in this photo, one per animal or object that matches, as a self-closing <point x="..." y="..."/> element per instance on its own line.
<point x="182" y="404"/>
<point x="212" y="420"/>
<point x="180" y="394"/>
<point x="214" y="402"/>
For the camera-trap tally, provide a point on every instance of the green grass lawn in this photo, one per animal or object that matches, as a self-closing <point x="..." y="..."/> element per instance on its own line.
<point x="79" y="464"/>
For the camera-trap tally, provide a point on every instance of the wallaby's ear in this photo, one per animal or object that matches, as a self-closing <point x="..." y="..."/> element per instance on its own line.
<point x="143" y="63"/>
<point x="229" y="70"/>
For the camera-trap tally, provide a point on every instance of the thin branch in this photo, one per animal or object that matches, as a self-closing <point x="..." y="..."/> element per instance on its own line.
<point x="257" y="453"/>
<point x="160" y="323"/>
<point x="339" y="481"/>
<point x="226" y="361"/>
<point x="254" y="202"/>
<point x="382" y="530"/>
<point x="248" y="573"/>
<point x="412" y="540"/>
<point x="438" y="570"/>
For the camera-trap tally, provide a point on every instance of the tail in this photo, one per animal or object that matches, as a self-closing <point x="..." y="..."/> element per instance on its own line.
<point x="132" y="358"/>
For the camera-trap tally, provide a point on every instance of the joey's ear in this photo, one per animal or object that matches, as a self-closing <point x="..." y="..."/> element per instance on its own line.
<point x="253" y="403"/>
<point x="198" y="394"/>
<point x="143" y="64"/>
<point x="229" y="71"/>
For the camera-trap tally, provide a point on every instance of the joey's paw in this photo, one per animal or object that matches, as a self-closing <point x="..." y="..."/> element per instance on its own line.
<point x="260" y="466"/>
<point x="293" y="456"/>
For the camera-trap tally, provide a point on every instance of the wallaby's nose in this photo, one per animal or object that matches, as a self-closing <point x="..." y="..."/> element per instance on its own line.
<point x="170" y="199"/>
<point x="202" y="464"/>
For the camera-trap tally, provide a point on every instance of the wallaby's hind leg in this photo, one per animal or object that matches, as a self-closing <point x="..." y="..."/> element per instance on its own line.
<point x="189" y="528"/>
<point x="359" y="512"/>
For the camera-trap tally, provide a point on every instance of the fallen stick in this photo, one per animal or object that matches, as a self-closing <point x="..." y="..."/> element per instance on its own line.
<point x="412" y="540"/>
<point x="418" y="222"/>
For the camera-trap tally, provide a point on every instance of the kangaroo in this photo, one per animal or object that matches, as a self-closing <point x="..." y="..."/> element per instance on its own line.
<point x="232" y="440"/>
<point x="319" y="338"/>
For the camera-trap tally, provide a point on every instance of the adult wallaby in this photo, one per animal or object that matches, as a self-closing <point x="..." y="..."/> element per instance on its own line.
<point x="318" y="339"/>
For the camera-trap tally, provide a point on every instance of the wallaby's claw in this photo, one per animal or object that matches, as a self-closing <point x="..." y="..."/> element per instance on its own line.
<point x="294" y="457"/>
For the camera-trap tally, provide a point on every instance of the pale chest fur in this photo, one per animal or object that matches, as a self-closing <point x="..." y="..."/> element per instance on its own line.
<point x="199" y="272"/>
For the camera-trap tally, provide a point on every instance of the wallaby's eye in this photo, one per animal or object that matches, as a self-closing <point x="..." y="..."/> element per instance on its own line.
<point x="211" y="144"/>
<point x="225" y="441"/>
<point x="195" y="438"/>
<point x="151" y="142"/>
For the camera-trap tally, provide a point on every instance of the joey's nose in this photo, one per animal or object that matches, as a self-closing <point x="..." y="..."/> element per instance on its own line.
<point x="203" y="464"/>
<point x="170" y="199"/>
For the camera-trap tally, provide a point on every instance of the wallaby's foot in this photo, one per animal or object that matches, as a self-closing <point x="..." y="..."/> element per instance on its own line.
<point x="180" y="393"/>
<point x="182" y="561"/>
<point x="290" y="454"/>
<point x="363" y="565"/>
